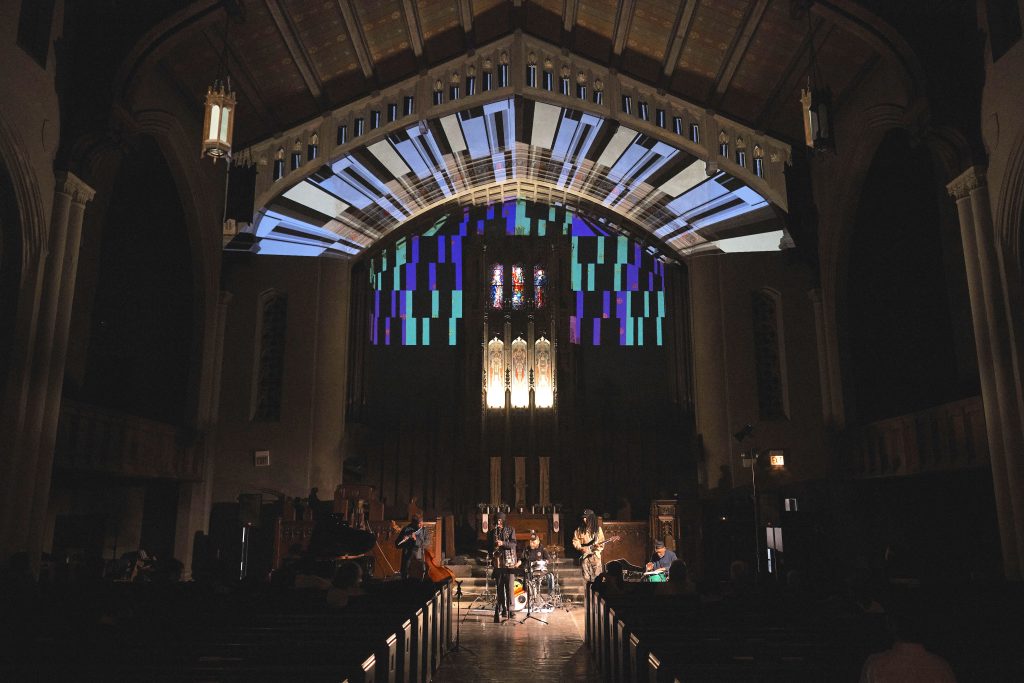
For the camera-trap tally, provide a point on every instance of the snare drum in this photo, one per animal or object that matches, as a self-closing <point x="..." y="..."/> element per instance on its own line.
<point x="539" y="567"/>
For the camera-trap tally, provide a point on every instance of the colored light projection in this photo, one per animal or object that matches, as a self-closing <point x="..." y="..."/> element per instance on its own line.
<point x="346" y="206"/>
<point x="618" y="287"/>
<point x="417" y="288"/>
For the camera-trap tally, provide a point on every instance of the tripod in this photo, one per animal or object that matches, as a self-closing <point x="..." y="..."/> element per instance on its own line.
<point x="532" y="589"/>
<point x="457" y="645"/>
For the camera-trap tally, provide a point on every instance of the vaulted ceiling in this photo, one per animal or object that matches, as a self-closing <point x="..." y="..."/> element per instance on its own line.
<point x="292" y="60"/>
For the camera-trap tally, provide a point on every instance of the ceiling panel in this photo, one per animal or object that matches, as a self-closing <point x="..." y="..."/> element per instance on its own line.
<point x="597" y="16"/>
<point x="651" y="27"/>
<point x="437" y="17"/>
<point x="384" y="27"/>
<point x="325" y="39"/>
<point x="771" y="50"/>
<point x="714" y="26"/>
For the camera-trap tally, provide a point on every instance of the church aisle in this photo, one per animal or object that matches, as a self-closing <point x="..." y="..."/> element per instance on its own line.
<point x="520" y="651"/>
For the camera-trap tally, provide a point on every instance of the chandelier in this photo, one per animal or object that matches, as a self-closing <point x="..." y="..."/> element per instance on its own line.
<point x="816" y="100"/>
<point x="219" y="119"/>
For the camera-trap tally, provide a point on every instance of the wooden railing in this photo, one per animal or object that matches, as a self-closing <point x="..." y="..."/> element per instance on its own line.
<point x="94" y="439"/>
<point x="948" y="437"/>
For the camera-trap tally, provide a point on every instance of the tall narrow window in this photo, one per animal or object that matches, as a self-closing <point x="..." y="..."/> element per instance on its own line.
<point x="768" y="355"/>
<point x="496" y="295"/>
<point x="543" y="391"/>
<point x="519" y="384"/>
<point x="495" y="374"/>
<point x="518" y="288"/>
<point x="273" y="314"/>
<point x="540" y="287"/>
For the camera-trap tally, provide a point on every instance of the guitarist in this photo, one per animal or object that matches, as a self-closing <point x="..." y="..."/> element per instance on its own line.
<point x="589" y="540"/>
<point x="411" y="540"/>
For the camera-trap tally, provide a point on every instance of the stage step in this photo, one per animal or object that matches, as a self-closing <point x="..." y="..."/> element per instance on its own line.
<point x="474" y="579"/>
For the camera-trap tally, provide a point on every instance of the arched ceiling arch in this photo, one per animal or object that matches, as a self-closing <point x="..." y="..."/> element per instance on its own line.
<point x="507" y="148"/>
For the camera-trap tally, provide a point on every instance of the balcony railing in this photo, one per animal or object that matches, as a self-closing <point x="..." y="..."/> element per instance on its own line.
<point x="94" y="439"/>
<point x="948" y="437"/>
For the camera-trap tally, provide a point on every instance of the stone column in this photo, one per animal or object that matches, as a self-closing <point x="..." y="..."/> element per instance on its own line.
<point x="1002" y="419"/>
<point x="38" y="397"/>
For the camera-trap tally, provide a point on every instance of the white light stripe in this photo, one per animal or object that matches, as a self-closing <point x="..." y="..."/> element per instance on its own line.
<point x="387" y="156"/>
<point x="765" y="241"/>
<point x="308" y="194"/>
<point x="452" y="131"/>
<point x="689" y="177"/>
<point x="545" y="120"/>
<point x="616" y="146"/>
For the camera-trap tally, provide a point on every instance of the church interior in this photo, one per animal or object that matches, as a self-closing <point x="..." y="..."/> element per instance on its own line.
<point x="282" y="279"/>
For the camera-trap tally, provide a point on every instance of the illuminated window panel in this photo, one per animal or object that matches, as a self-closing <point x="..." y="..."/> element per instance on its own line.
<point x="496" y="295"/>
<point x="519" y="382"/>
<point x="518" y="288"/>
<point x="540" y="287"/>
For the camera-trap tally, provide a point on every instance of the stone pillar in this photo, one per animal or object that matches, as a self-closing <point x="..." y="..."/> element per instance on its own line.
<point x="999" y="395"/>
<point x="828" y="371"/>
<point x="35" y="428"/>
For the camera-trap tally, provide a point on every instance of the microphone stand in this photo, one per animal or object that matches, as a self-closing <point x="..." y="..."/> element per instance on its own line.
<point x="531" y="588"/>
<point x="457" y="645"/>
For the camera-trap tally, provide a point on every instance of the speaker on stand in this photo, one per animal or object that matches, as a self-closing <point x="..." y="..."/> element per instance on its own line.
<point x="250" y="505"/>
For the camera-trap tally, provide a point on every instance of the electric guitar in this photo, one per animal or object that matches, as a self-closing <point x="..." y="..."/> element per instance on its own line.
<point x="591" y="548"/>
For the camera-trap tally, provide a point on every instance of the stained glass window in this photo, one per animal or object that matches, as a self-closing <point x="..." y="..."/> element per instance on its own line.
<point x="496" y="297"/>
<point x="518" y="288"/>
<point x="540" y="287"/>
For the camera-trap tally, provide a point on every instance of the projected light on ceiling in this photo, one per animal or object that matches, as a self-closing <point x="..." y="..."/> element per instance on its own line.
<point x="344" y="207"/>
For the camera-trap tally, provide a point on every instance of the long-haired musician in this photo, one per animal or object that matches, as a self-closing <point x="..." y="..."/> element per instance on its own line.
<point x="502" y="543"/>
<point x="589" y="540"/>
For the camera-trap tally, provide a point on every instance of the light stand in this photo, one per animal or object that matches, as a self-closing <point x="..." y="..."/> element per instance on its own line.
<point x="752" y="459"/>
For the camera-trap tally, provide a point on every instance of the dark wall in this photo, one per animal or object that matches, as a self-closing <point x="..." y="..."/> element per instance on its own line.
<point x="10" y="269"/>
<point x="902" y="340"/>
<point x="141" y="332"/>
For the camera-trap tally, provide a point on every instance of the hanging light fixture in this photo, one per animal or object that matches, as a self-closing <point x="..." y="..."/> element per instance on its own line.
<point x="219" y="119"/>
<point x="816" y="100"/>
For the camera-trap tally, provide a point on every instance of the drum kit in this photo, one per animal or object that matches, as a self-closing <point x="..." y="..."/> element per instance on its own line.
<point x="527" y="595"/>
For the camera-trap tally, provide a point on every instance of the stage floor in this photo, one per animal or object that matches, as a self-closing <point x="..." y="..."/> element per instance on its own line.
<point x="513" y="651"/>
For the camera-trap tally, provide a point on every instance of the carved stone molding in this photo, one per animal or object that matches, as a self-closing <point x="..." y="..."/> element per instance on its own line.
<point x="73" y="186"/>
<point x="968" y="181"/>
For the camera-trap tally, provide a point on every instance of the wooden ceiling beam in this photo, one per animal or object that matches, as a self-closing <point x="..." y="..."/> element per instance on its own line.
<point x="623" y="22"/>
<point x="465" y="8"/>
<point x="299" y="56"/>
<point x="793" y="70"/>
<point x="569" y="10"/>
<point x="358" y="38"/>
<point x="684" y="17"/>
<point x="245" y="82"/>
<point x="737" y="50"/>
<point x="412" y="22"/>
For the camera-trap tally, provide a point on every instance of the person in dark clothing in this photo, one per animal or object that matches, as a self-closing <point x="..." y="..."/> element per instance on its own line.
<point x="412" y="539"/>
<point x="502" y="544"/>
<point x="537" y="564"/>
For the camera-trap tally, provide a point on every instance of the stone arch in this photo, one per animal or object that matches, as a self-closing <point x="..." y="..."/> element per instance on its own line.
<point x="1008" y="213"/>
<point x="31" y="212"/>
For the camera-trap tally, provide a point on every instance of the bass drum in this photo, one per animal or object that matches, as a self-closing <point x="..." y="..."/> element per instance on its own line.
<point x="518" y="596"/>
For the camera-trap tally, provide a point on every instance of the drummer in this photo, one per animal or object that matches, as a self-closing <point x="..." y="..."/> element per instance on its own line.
<point x="661" y="559"/>
<point x="537" y="563"/>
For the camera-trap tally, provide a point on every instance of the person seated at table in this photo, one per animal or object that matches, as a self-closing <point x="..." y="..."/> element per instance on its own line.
<point x="661" y="559"/>
<point x="679" y="582"/>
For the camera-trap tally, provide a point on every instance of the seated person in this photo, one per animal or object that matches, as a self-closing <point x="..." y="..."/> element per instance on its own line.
<point x="679" y="582"/>
<point x="534" y="554"/>
<point x="661" y="559"/>
<point x="612" y="580"/>
<point x="347" y="584"/>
